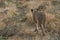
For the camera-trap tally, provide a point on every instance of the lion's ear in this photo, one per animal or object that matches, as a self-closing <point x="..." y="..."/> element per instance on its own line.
<point x="32" y="10"/>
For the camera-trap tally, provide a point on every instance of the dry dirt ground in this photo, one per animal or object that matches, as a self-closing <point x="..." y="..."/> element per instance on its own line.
<point x="13" y="23"/>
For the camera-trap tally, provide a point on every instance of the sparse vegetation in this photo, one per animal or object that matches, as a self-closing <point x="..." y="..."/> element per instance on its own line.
<point x="3" y="38"/>
<point x="16" y="22"/>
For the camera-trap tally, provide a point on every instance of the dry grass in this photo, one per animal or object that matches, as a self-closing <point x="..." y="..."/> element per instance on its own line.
<point x="14" y="11"/>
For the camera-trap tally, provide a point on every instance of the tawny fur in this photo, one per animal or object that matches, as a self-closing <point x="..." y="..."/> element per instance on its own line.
<point x="49" y="17"/>
<point x="41" y="17"/>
